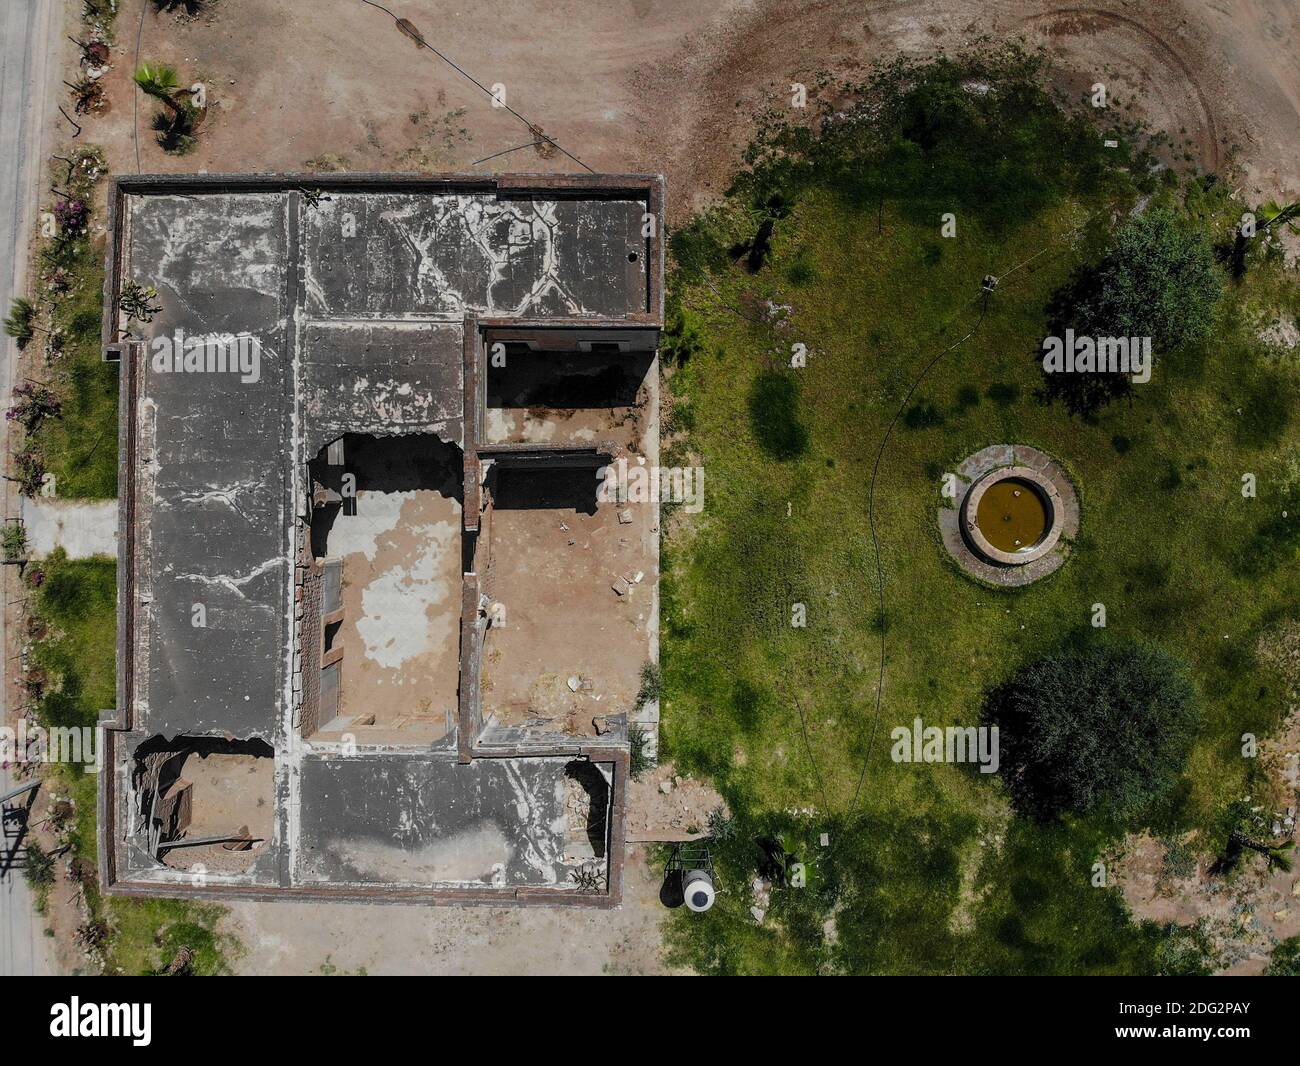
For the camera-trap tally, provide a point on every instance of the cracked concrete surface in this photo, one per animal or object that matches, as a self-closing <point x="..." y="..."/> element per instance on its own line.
<point x="354" y="305"/>
<point x="82" y="528"/>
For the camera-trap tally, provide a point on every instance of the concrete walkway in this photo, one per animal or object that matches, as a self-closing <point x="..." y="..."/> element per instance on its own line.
<point x="24" y="948"/>
<point x="81" y="528"/>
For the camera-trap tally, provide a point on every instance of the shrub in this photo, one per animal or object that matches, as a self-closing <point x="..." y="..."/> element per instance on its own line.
<point x="651" y="684"/>
<point x="20" y="323"/>
<point x="1158" y="280"/>
<point x="39" y="869"/>
<point x="638" y="742"/>
<point x="1285" y="961"/>
<point x="1103" y="731"/>
<point x="14" y="541"/>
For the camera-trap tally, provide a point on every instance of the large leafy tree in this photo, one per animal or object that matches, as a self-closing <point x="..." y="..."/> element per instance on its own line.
<point x="1104" y="731"/>
<point x="1158" y="280"/>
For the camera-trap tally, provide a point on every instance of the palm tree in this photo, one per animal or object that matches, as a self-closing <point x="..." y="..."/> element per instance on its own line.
<point x="175" y="131"/>
<point x="190" y="7"/>
<point x="21" y="321"/>
<point x="159" y="81"/>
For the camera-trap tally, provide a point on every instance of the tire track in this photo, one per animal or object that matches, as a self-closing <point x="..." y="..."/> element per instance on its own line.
<point x="1161" y="46"/>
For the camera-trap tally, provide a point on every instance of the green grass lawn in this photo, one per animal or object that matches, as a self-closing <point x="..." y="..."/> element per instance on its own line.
<point x="80" y="446"/>
<point x="77" y="601"/>
<point x="929" y="872"/>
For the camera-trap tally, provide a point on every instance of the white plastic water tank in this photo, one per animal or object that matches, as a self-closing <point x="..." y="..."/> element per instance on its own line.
<point x="697" y="886"/>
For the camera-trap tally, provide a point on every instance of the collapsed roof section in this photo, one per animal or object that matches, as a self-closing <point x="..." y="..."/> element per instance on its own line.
<point x="286" y="580"/>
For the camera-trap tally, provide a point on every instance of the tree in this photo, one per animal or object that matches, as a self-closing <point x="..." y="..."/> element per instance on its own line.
<point x="39" y="869"/>
<point x="1158" y="280"/>
<point x="159" y="81"/>
<point x="175" y="126"/>
<point x="1104" y="731"/>
<point x="20" y="323"/>
<point x="175" y="131"/>
<point x="1285" y="960"/>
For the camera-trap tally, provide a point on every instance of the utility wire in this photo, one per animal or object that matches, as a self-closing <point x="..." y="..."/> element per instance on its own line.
<point x="875" y="540"/>
<point x="135" y="96"/>
<point x="871" y="498"/>
<point x="409" y="29"/>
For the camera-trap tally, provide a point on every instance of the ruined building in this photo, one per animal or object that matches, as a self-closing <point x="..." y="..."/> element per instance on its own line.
<point x="379" y="635"/>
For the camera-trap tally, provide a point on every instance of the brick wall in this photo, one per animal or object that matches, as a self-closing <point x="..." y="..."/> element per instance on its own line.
<point x="307" y="627"/>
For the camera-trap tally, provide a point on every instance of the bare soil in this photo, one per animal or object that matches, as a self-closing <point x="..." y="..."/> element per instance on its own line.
<point x="301" y="938"/>
<point x="401" y="555"/>
<point x="230" y="793"/>
<point x="668" y="86"/>
<point x="664" y="806"/>
<point x="571" y="646"/>
<point x="1246" y="913"/>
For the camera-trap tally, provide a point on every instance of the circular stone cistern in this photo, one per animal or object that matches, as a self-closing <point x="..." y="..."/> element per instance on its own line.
<point x="1012" y="516"/>
<point x="1014" y="505"/>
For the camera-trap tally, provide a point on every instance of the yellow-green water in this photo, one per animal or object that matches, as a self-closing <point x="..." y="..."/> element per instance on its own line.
<point x="1012" y="515"/>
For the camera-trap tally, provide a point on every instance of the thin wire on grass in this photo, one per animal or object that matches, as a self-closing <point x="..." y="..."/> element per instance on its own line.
<point x="875" y="543"/>
<point x="817" y="774"/>
<point x="418" y="37"/>
<point x="871" y="505"/>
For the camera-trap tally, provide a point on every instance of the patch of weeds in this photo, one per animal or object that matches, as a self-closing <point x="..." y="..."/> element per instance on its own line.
<point x="1003" y="394"/>
<point x="1179" y="860"/>
<point x="14" y="541"/>
<point x="328" y="969"/>
<point x="801" y="273"/>
<point x="774" y="416"/>
<point x="639" y="744"/>
<point x="39" y="873"/>
<point x="923" y="415"/>
<point x="651" y="685"/>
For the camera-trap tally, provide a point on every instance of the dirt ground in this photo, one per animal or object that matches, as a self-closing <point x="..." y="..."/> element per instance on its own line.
<point x="572" y="647"/>
<point x="663" y="805"/>
<point x="296" y="938"/>
<point x="631" y="85"/>
<point x="1246" y="914"/>
<point x="568" y="398"/>
<point x="230" y="792"/>
<point x="400" y="547"/>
